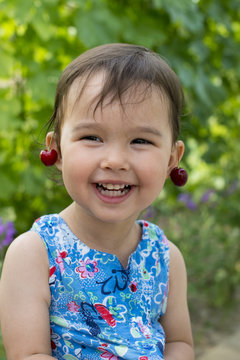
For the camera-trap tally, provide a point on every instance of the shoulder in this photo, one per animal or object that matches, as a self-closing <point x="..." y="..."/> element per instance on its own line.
<point x="27" y="246"/>
<point x="26" y="262"/>
<point x="177" y="273"/>
<point x="176" y="259"/>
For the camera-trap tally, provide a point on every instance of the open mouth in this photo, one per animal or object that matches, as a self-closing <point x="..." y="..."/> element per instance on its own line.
<point x="113" y="190"/>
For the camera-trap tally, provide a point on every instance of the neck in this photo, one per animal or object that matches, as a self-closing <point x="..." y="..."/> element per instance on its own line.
<point x="118" y="238"/>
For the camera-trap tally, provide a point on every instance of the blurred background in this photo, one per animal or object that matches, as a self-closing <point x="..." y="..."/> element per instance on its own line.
<point x="200" y="39"/>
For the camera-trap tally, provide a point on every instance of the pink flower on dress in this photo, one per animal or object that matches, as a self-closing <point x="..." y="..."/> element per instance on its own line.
<point x="106" y="354"/>
<point x="59" y="261"/>
<point x="73" y="307"/>
<point x="87" y="268"/>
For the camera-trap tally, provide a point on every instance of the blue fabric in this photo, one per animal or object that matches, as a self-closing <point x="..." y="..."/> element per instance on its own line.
<point x="99" y="310"/>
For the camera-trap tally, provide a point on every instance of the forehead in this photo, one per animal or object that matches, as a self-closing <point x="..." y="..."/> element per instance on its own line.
<point x="87" y="94"/>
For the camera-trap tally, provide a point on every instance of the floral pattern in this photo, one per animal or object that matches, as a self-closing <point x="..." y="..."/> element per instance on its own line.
<point x="72" y="306"/>
<point x="87" y="268"/>
<point x="99" y="309"/>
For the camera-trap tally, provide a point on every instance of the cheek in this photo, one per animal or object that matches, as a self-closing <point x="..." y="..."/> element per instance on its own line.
<point x="154" y="171"/>
<point x="77" y="167"/>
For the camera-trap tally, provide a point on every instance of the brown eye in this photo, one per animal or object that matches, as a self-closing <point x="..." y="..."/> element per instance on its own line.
<point x="91" y="138"/>
<point x="141" y="141"/>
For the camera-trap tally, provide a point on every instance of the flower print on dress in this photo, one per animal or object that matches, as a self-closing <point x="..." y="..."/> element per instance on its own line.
<point x="66" y="287"/>
<point x="148" y="345"/>
<point x="73" y="306"/>
<point x="49" y="227"/>
<point x="106" y="354"/>
<point x="105" y="314"/>
<point x="59" y="260"/>
<point x="90" y="314"/>
<point x="104" y="258"/>
<point x="162" y="290"/>
<point x="110" y="335"/>
<point x="87" y="268"/>
<point x="118" y="281"/>
<point x="116" y="310"/>
<point x="138" y="328"/>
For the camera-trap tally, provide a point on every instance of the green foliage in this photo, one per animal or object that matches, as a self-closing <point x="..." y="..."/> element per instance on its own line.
<point x="200" y="39"/>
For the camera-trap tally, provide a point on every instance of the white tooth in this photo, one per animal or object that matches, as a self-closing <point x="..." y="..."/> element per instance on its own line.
<point x="112" y="186"/>
<point x="117" y="187"/>
<point x="113" y="193"/>
<point x="109" y="186"/>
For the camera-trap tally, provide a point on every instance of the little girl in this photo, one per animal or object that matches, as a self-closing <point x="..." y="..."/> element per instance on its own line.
<point x="93" y="282"/>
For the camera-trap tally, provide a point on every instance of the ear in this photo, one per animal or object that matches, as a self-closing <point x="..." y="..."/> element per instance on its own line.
<point x="51" y="143"/>
<point x="176" y="156"/>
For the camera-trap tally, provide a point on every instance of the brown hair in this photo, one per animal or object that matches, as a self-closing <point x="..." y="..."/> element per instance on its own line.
<point x="127" y="66"/>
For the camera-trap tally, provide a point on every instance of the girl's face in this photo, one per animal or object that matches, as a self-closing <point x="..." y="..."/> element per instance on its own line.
<point x="114" y="163"/>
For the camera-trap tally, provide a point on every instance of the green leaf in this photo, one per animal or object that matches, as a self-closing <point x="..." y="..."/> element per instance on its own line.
<point x="42" y="24"/>
<point x="6" y="66"/>
<point x="8" y="187"/>
<point x="92" y="27"/>
<point x="10" y="109"/>
<point x="186" y="13"/>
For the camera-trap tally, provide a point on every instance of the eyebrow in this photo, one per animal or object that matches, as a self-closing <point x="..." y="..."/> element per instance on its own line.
<point x="141" y="129"/>
<point x="85" y="126"/>
<point x="149" y="129"/>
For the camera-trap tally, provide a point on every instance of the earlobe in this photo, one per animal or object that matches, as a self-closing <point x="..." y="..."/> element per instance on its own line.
<point x="176" y="156"/>
<point x="51" y="145"/>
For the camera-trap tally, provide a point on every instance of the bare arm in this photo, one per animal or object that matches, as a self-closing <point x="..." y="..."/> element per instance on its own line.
<point x="176" y="321"/>
<point x="25" y="299"/>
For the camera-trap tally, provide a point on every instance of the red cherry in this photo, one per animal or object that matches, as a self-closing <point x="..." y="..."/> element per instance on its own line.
<point x="179" y="176"/>
<point x="48" y="157"/>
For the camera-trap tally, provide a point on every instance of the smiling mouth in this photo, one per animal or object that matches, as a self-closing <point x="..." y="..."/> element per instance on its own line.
<point x="113" y="190"/>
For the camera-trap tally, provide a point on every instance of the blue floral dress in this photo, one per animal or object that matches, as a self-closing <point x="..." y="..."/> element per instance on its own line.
<point x="99" y="309"/>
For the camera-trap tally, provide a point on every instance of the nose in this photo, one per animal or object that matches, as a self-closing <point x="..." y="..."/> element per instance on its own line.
<point x="115" y="159"/>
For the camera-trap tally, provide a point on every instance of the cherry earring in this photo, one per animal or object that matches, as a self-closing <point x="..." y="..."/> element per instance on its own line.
<point x="49" y="157"/>
<point x="179" y="176"/>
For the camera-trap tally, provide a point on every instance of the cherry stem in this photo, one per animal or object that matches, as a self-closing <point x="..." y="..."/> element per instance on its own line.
<point x="49" y="146"/>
